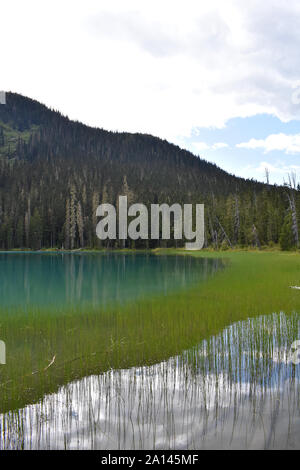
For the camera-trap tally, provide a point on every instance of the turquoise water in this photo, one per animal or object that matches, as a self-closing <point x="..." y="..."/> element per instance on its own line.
<point x="37" y="280"/>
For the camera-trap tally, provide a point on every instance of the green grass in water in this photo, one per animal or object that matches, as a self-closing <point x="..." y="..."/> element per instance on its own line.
<point x="142" y="333"/>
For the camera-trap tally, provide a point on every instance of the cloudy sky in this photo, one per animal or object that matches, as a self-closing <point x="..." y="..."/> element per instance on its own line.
<point x="220" y="78"/>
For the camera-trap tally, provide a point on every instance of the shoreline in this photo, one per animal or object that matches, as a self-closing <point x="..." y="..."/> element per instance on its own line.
<point x="158" y="250"/>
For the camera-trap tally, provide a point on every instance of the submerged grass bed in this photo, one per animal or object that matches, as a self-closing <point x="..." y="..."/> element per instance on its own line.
<point x="46" y="351"/>
<point x="239" y="389"/>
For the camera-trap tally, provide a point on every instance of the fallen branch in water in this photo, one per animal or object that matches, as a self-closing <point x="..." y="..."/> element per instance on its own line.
<point x="50" y="364"/>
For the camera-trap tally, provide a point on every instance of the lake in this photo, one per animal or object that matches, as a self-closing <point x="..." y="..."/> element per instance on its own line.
<point x="138" y="351"/>
<point x="42" y="280"/>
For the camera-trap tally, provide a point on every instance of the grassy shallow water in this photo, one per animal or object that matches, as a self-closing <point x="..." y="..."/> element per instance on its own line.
<point x="238" y="389"/>
<point x="45" y="352"/>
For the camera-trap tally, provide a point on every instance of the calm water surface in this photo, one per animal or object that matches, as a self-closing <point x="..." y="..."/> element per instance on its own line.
<point x="33" y="280"/>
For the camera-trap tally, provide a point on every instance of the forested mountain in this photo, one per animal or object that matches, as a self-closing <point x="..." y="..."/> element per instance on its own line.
<point x="54" y="172"/>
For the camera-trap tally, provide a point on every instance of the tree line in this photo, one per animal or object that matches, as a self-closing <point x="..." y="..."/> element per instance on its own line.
<point x="54" y="173"/>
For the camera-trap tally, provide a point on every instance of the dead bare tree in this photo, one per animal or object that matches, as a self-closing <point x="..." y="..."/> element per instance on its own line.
<point x="236" y="220"/>
<point x="213" y="232"/>
<point x="255" y="236"/>
<point x="292" y="188"/>
<point x="224" y="233"/>
<point x="267" y="174"/>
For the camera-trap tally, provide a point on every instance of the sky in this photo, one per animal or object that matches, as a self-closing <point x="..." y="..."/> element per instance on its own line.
<point x="219" y="78"/>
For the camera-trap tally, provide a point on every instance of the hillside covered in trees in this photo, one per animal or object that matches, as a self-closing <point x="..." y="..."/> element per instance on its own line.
<point x="54" y="172"/>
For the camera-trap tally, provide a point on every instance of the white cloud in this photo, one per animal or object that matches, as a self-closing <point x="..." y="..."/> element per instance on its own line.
<point x="278" y="172"/>
<point x="277" y="168"/>
<point x="157" y="67"/>
<point x="289" y="144"/>
<point x="219" y="145"/>
<point x="200" y="146"/>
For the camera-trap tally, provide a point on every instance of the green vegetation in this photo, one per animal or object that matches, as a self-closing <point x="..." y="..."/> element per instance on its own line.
<point x="44" y="352"/>
<point x="11" y="139"/>
<point x="55" y="172"/>
<point x="235" y="390"/>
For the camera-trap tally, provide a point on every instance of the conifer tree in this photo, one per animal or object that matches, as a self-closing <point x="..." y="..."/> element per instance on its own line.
<point x="80" y="224"/>
<point x="286" y="235"/>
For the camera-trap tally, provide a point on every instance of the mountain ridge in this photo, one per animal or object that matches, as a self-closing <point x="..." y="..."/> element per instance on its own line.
<point x="55" y="171"/>
<point x="12" y="108"/>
